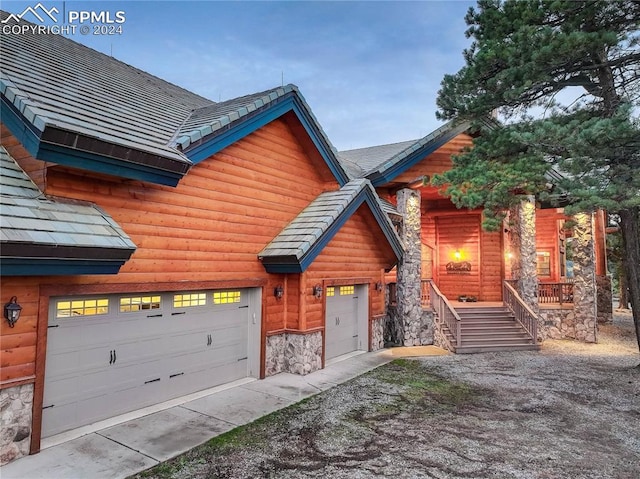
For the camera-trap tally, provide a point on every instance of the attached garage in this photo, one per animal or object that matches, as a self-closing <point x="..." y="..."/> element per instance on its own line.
<point x="346" y="328"/>
<point x="111" y="354"/>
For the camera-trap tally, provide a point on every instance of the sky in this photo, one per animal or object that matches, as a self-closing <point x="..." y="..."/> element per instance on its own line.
<point x="369" y="70"/>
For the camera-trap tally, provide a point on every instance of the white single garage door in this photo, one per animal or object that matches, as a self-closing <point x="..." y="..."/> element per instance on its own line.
<point x="346" y="320"/>
<point x="111" y="354"/>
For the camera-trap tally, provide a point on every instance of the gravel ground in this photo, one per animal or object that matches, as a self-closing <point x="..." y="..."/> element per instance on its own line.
<point x="571" y="410"/>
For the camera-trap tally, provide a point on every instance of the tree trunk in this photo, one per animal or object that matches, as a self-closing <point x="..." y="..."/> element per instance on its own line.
<point x="623" y="302"/>
<point x="630" y="227"/>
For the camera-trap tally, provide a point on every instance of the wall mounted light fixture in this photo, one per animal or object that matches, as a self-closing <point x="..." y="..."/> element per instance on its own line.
<point x="278" y="291"/>
<point x="12" y="311"/>
<point x="379" y="286"/>
<point x="457" y="255"/>
<point x="317" y="291"/>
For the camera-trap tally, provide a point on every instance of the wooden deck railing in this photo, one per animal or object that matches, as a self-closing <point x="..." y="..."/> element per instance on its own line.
<point x="425" y="293"/>
<point x="442" y="307"/>
<point x="523" y="313"/>
<point x="555" y="293"/>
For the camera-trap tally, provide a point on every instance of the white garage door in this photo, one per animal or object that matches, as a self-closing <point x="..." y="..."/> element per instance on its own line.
<point x="346" y="320"/>
<point x="111" y="354"/>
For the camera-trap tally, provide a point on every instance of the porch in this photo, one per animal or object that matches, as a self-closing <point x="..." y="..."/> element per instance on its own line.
<point x="466" y="327"/>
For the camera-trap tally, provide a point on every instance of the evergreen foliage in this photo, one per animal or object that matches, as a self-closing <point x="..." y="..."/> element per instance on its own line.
<point x="563" y="76"/>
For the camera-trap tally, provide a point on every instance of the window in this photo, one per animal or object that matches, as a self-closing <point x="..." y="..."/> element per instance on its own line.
<point x="347" y="290"/>
<point x="82" y="307"/>
<point x="331" y="291"/>
<point x="131" y="304"/>
<point x="189" y="299"/>
<point x="226" y="297"/>
<point x="544" y="263"/>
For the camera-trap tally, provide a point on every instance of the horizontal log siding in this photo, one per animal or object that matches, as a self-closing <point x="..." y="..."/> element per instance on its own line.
<point x="35" y="168"/>
<point x="18" y="344"/>
<point x="438" y="161"/>
<point x="459" y="232"/>
<point x="354" y="252"/>
<point x="220" y="216"/>
<point x="492" y="261"/>
<point x="209" y="228"/>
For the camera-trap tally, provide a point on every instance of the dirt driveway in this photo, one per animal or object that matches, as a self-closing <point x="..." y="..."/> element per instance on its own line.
<point x="569" y="411"/>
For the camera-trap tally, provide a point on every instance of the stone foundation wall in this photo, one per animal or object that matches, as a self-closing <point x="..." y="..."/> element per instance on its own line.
<point x="377" y="332"/>
<point x="426" y="331"/>
<point x="557" y="324"/>
<point x="567" y="324"/>
<point x="15" y="422"/>
<point x="293" y="353"/>
<point x="439" y="339"/>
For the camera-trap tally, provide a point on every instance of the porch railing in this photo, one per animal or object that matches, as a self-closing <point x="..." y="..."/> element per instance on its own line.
<point x="425" y="293"/>
<point x="445" y="312"/>
<point x="555" y="293"/>
<point x="523" y="313"/>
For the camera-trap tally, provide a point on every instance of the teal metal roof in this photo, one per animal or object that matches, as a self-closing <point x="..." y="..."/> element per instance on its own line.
<point x="297" y="245"/>
<point x="36" y="229"/>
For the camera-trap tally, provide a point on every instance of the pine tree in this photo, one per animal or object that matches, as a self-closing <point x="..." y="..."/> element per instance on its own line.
<point x="564" y="78"/>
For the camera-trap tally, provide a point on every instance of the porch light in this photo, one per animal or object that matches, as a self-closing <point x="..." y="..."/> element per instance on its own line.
<point x="457" y="255"/>
<point x="317" y="291"/>
<point x="278" y="291"/>
<point x="12" y="311"/>
<point x="379" y="286"/>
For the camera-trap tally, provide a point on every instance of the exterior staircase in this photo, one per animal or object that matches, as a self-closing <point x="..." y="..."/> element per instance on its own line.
<point x="488" y="329"/>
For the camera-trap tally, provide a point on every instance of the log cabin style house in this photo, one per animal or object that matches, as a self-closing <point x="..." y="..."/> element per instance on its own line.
<point x="159" y="243"/>
<point x="469" y="290"/>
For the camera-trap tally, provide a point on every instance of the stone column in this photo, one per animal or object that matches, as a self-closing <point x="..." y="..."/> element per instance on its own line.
<point x="584" y="272"/>
<point x="523" y="251"/>
<point x="409" y="310"/>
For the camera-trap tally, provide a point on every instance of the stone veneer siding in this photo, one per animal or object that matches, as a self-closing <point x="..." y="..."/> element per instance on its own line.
<point x="584" y="284"/>
<point x="377" y="332"/>
<point x="409" y="310"/>
<point x="557" y="324"/>
<point x="522" y="240"/>
<point x="293" y="353"/>
<point x="605" y="299"/>
<point x="15" y="422"/>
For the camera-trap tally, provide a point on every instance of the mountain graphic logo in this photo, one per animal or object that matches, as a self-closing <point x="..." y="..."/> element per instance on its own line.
<point x="37" y="12"/>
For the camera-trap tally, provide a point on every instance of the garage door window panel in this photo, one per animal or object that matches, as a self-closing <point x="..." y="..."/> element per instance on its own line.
<point x="189" y="300"/>
<point x="133" y="304"/>
<point x="75" y="308"/>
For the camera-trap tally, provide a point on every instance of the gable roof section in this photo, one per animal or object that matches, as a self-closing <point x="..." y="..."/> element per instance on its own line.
<point x="72" y="105"/>
<point x="300" y="242"/>
<point x="382" y="164"/>
<point x="212" y="128"/>
<point x="42" y="236"/>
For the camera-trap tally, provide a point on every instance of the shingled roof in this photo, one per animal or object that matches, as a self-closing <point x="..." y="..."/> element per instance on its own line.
<point x="41" y="235"/>
<point x="381" y="164"/>
<point x="298" y="244"/>
<point x="72" y="105"/>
